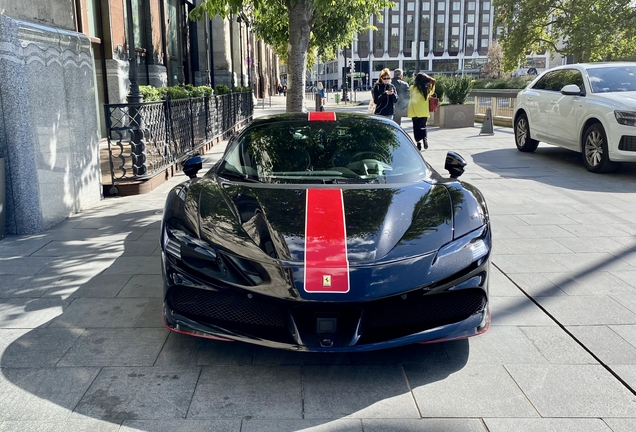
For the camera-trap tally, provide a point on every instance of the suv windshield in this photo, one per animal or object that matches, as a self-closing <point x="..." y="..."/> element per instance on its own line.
<point x="612" y="79"/>
<point x="352" y="150"/>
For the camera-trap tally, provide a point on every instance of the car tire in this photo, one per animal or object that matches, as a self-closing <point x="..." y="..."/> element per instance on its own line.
<point x="522" y="135"/>
<point x="595" y="151"/>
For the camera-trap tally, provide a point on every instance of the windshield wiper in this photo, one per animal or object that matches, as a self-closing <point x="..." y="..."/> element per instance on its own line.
<point x="237" y="176"/>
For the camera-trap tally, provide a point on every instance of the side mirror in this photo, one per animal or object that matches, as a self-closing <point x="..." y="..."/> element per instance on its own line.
<point x="572" y="90"/>
<point x="455" y="164"/>
<point x="192" y="165"/>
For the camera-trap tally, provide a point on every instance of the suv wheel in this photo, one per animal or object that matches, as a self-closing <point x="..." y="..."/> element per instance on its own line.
<point x="595" y="153"/>
<point x="522" y="135"/>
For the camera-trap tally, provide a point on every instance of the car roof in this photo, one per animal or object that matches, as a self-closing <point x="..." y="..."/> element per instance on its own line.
<point x="596" y="65"/>
<point x="276" y="118"/>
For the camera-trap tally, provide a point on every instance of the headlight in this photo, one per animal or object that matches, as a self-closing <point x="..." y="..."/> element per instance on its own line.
<point x="461" y="253"/>
<point x="627" y="118"/>
<point x="175" y="239"/>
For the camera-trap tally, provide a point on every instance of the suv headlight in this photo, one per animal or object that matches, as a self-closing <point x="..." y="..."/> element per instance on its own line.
<point x="627" y="118"/>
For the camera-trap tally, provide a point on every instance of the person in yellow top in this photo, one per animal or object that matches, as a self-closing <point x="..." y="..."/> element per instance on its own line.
<point x="423" y="87"/>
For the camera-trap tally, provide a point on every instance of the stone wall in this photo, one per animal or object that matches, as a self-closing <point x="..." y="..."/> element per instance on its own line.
<point x="49" y="125"/>
<point x="55" y="13"/>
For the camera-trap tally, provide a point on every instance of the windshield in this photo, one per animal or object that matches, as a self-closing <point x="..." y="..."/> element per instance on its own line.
<point x="612" y="79"/>
<point x="352" y="150"/>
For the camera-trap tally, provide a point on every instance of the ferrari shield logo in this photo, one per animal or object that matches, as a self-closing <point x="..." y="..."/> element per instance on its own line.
<point x="326" y="280"/>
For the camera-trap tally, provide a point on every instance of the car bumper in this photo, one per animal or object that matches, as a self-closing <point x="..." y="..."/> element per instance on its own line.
<point x="457" y="308"/>
<point x="622" y="141"/>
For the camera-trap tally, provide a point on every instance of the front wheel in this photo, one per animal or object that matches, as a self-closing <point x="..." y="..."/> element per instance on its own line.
<point x="595" y="152"/>
<point x="522" y="135"/>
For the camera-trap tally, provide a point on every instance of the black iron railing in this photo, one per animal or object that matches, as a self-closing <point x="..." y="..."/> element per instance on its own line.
<point x="146" y="138"/>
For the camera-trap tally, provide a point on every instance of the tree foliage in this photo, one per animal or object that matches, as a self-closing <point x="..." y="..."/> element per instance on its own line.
<point x="588" y="30"/>
<point x="296" y="28"/>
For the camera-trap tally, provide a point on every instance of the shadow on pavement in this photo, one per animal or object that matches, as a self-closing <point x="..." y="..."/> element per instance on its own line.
<point x="82" y="341"/>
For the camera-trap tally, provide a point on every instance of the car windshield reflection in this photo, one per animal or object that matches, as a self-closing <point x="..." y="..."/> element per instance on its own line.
<point x="352" y="150"/>
<point x="612" y="79"/>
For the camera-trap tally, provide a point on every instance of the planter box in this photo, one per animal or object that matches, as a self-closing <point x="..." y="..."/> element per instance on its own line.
<point x="455" y="116"/>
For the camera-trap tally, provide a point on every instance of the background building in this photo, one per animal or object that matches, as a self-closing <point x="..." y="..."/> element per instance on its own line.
<point x="433" y="36"/>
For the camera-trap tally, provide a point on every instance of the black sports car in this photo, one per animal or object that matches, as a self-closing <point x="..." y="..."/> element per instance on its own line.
<point x="323" y="233"/>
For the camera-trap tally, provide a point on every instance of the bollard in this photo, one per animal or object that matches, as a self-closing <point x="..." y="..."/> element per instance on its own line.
<point x="487" y="126"/>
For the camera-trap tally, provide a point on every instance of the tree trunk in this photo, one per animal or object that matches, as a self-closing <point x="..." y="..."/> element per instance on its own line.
<point x="299" y="17"/>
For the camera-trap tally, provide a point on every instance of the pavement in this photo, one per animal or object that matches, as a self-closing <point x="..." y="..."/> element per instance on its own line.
<point x="83" y="347"/>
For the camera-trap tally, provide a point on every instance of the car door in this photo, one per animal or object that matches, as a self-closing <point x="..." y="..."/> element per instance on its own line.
<point x="566" y="110"/>
<point x="537" y="103"/>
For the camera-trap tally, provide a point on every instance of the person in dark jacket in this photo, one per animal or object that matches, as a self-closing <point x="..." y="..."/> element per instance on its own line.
<point x="402" y="89"/>
<point x="384" y="95"/>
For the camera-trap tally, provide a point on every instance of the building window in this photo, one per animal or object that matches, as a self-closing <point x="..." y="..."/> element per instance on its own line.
<point x="395" y="19"/>
<point x="409" y="19"/>
<point x="396" y="8"/>
<point x="455" y="19"/>
<point x="484" y="42"/>
<point x="410" y="6"/>
<point x="395" y="45"/>
<point x="470" y="31"/>
<point x="469" y="43"/>
<point x="426" y="6"/>
<point x="440" y="31"/>
<point x="456" y="6"/>
<point x="410" y="31"/>
<point x="453" y="43"/>
<point x="486" y="6"/>
<point x="378" y="39"/>
<point x="440" y="19"/>
<point x="471" y="6"/>
<point x="485" y="18"/>
<point x="439" y="44"/>
<point x="470" y="18"/>
<point x="395" y="31"/>
<point x="455" y="31"/>
<point x="441" y="6"/>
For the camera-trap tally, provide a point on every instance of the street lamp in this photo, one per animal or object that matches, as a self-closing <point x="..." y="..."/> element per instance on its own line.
<point x="464" y="48"/>
<point x="134" y="96"/>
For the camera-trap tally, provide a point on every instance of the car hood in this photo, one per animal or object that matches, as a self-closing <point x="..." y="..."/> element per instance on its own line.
<point x="627" y="99"/>
<point x="380" y="224"/>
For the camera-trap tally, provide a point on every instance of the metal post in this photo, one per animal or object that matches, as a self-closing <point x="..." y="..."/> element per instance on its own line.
<point x="464" y="49"/>
<point x="138" y="150"/>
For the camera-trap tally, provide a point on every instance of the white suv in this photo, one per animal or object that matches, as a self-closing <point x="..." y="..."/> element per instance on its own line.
<point x="589" y="108"/>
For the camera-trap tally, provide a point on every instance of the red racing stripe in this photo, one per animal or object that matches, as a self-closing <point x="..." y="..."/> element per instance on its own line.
<point x="326" y="265"/>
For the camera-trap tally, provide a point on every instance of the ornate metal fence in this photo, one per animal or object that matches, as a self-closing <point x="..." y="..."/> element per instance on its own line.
<point x="145" y="139"/>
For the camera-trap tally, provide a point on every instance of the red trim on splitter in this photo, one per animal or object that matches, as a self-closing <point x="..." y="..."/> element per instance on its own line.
<point x="326" y="264"/>
<point x="322" y="116"/>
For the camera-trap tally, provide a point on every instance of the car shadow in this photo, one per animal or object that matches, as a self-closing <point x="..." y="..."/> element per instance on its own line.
<point x="82" y="342"/>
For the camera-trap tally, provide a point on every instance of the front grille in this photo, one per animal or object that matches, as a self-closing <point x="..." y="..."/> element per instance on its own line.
<point x="627" y="143"/>
<point x="393" y="318"/>
<point x="226" y="306"/>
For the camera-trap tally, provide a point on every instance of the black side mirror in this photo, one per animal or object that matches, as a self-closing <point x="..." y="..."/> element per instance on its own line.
<point x="192" y="165"/>
<point x="455" y="164"/>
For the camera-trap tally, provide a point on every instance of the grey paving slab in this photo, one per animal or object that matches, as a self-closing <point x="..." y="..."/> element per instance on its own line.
<point x="152" y="314"/>
<point x="590" y="283"/>
<point x="587" y="310"/>
<point x="540" y="219"/>
<point x="48" y="394"/>
<point x="80" y="266"/>
<point x="536" y="284"/>
<point x="543" y="231"/>
<point x="339" y="425"/>
<point x="266" y="392"/>
<point x="79" y="248"/>
<point x="141" y="247"/>
<point x="506" y="220"/>
<point x="533" y="246"/>
<point x="19" y="246"/>
<point x="621" y="425"/>
<point x="40" y="347"/>
<point x="574" y="391"/>
<point x="116" y="347"/>
<point x="502" y="232"/>
<point x="102" y="312"/>
<point x="529" y="263"/>
<point x="23" y="265"/>
<point x="142" y="285"/>
<point x="429" y="425"/>
<point x="183" y="350"/>
<point x="416" y="353"/>
<point x="99" y="286"/>
<point x="557" y="346"/>
<point x="607" y="343"/>
<point x="508" y="311"/>
<point x="596" y="230"/>
<point x="591" y="262"/>
<point x="135" y="265"/>
<point x="29" y="313"/>
<point x="546" y="425"/>
<point x="356" y="392"/>
<point x="627" y="372"/>
<point x="499" y="345"/>
<point x="628" y="301"/>
<point x="181" y="425"/>
<point x="70" y="425"/>
<point x="440" y="392"/>
<point x="13" y="286"/>
<point x="132" y="393"/>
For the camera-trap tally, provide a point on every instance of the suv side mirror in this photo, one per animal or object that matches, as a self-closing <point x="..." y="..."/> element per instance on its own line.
<point x="192" y="165"/>
<point x="455" y="164"/>
<point x="572" y="90"/>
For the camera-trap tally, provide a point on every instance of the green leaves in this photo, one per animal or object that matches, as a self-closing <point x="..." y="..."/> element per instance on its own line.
<point x="589" y="30"/>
